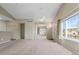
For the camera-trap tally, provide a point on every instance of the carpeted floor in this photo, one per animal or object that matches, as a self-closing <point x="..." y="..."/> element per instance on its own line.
<point x="33" y="47"/>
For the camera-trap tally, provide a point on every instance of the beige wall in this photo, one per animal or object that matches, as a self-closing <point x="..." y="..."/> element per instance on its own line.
<point x="64" y="11"/>
<point x="4" y="36"/>
<point x="2" y="26"/>
<point x="9" y="30"/>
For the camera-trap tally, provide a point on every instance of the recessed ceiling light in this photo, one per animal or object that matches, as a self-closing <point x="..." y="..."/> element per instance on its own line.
<point x="49" y="25"/>
<point x="42" y="19"/>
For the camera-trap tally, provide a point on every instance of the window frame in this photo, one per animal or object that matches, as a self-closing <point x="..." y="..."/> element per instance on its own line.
<point x="64" y="19"/>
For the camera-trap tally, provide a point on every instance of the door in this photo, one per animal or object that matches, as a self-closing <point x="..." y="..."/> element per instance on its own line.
<point x="29" y="30"/>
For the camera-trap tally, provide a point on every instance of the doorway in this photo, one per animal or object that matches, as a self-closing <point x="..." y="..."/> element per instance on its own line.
<point x="41" y="30"/>
<point x="22" y="31"/>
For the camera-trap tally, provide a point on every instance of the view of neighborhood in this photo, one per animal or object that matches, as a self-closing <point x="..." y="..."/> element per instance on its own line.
<point x="71" y="33"/>
<point x="70" y="27"/>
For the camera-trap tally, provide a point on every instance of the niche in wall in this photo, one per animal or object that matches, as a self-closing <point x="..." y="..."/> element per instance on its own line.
<point x="41" y="30"/>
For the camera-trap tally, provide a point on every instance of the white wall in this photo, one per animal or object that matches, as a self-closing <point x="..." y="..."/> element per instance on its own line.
<point x="49" y="33"/>
<point x="30" y="30"/>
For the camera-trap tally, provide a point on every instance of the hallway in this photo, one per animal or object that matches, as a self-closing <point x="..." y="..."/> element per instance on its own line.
<point x="33" y="47"/>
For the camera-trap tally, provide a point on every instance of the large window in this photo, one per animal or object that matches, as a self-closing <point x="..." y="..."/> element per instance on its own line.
<point x="70" y="28"/>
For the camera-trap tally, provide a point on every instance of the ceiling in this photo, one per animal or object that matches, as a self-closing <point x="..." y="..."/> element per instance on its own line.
<point x="32" y="11"/>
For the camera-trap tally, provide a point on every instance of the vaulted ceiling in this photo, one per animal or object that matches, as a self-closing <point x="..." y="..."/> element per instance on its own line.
<point x="32" y="11"/>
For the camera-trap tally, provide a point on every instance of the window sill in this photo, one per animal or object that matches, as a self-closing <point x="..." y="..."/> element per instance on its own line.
<point x="74" y="40"/>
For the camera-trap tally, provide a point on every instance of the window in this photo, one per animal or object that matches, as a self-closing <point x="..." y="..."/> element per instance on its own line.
<point x="70" y="28"/>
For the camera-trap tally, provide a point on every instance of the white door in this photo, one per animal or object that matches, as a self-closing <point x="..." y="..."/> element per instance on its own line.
<point x="29" y="30"/>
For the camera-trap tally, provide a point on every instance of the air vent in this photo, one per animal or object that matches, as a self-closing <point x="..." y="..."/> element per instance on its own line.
<point x="29" y="20"/>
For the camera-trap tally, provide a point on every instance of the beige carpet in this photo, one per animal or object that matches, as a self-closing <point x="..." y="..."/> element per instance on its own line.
<point x="33" y="47"/>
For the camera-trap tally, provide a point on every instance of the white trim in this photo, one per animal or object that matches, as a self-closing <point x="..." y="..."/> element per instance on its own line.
<point x="71" y="16"/>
